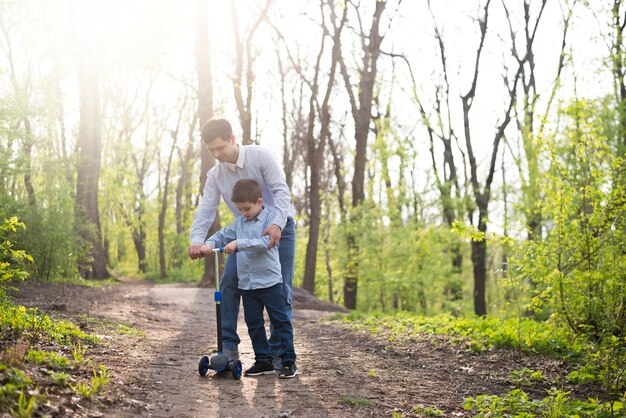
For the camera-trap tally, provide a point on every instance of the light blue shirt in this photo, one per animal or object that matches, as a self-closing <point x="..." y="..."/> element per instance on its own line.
<point x="257" y="267"/>
<point x="255" y="163"/>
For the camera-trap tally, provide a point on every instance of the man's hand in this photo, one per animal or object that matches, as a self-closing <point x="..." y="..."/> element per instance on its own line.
<point x="195" y="251"/>
<point x="231" y="247"/>
<point x="274" y="232"/>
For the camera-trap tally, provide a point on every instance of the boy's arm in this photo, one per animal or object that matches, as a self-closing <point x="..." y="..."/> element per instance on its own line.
<point x="253" y="244"/>
<point x="223" y="237"/>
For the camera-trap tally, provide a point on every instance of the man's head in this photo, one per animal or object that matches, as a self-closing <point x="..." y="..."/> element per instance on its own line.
<point x="248" y="198"/>
<point x="217" y="135"/>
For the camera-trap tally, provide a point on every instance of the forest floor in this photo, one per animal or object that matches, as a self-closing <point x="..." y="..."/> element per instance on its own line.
<point x="154" y="372"/>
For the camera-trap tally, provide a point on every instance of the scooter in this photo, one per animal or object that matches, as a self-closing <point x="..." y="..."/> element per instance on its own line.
<point x="220" y="361"/>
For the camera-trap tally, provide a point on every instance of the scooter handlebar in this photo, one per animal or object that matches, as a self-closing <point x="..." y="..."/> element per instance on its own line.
<point x="218" y="250"/>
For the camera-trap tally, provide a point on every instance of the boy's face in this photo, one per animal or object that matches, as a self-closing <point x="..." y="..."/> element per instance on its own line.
<point x="250" y="210"/>
<point x="224" y="150"/>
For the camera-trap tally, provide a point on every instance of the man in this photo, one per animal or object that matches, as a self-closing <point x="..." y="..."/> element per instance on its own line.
<point x="237" y="162"/>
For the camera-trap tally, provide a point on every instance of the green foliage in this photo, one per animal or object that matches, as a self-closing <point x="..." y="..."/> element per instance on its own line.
<point x="527" y="377"/>
<point x="25" y="406"/>
<point x="124" y="329"/>
<point x="18" y="322"/>
<point x="358" y="401"/>
<point x="51" y="240"/>
<point x="579" y="269"/>
<point x="475" y="333"/>
<point x="78" y="352"/>
<point x="428" y="411"/>
<point x="401" y="266"/>
<point x="59" y="378"/>
<point x="98" y="381"/>
<point x="516" y="403"/>
<point x="49" y="359"/>
<point x="13" y="383"/>
<point x="11" y="260"/>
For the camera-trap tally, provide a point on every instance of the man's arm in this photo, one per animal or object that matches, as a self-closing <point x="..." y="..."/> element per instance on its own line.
<point x="204" y="216"/>
<point x="275" y="181"/>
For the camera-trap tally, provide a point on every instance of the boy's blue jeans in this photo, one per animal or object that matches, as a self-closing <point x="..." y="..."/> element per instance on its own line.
<point x="272" y="299"/>
<point x="231" y="295"/>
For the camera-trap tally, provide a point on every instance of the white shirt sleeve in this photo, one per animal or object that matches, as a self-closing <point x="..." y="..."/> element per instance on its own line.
<point x="205" y="214"/>
<point x="275" y="181"/>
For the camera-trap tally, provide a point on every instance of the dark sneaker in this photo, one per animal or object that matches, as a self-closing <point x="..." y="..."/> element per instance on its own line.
<point x="259" y="369"/>
<point x="288" y="371"/>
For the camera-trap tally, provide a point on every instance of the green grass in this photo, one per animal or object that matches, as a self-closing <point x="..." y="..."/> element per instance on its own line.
<point x="18" y="322"/>
<point x="557" y="404"/>
<point x="40" y="356"/>
<point x="357" y="401"/>
<point x="50" y="359"/>
<point x="98" y="381"/>
<point x="474" y="333"/>
<point x="428" y="411"/>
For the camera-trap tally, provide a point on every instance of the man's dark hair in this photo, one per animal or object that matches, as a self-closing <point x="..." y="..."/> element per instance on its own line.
<point x="246" y="191"/>
<point x="216" y="128"/>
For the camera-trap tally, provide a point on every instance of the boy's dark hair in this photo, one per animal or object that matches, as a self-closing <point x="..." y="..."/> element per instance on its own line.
<point x="246" y="191"/>
<point x="216" y="128"/>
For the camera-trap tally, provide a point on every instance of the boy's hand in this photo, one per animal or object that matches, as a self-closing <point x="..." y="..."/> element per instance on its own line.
<point x="206" y="249"/>
<point x="231" y="247"/>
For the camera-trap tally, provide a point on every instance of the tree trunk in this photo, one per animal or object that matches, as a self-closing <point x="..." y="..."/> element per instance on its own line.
<point x="479" y="263"/>
<point x="315" y="150"/>
<point x="362" y="115"/>
<point x="139" y="240"/>
<point x="205" y="112"/>
<point x="163" y="212"/>
<point x="244" y="104"/>
<point x="93" y="265"/>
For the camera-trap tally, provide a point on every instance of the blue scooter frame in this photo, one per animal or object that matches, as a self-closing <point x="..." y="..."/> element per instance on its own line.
<point x="220" y="361"/>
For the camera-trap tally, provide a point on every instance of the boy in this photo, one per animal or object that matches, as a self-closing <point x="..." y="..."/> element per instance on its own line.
<point x="260" y="278"/>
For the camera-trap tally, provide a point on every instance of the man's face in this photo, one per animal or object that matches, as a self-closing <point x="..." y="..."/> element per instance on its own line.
<point x="250" y="210"/>
<point x="224" y="150"/>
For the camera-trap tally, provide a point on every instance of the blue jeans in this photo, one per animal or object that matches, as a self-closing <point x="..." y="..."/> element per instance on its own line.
<point x="231" y="295"/>
<point x="272" y="299"/>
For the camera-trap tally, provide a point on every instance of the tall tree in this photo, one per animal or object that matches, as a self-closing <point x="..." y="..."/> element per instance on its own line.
<point x="528" y="125"/>
<point x="243" y="98"/>
<point x="205" y="112"/>
<point x="360" y="96"/>
<point x="315" y="146"/>
<point x="22" y="90"/>
<point x="164" y="195"/>
<point x="89" y="144"/>
<point x="481" y="189"/>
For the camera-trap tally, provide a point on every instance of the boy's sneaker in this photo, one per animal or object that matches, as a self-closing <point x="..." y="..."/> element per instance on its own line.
<point x="288" y="371"/>
<point x="259" y="369"/>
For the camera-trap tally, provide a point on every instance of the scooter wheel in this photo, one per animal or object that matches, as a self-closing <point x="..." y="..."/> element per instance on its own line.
<point x="236" y="369"/>
<point x="203" y="366"/>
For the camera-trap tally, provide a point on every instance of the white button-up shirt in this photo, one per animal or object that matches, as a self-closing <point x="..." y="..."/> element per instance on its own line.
<point x="255" y="163"/>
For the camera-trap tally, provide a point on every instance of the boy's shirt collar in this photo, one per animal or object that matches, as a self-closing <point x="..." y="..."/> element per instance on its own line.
<point x="261" y="216"/>
<point x="240" y="159"/>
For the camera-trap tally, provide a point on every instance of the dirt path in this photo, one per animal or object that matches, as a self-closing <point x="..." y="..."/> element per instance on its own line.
<point x="156" y="374"/>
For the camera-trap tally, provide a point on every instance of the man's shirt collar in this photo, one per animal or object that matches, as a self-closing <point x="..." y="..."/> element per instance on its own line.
<point x="240" y="159"/>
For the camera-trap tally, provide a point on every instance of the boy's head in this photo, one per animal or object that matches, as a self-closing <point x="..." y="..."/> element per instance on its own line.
<point x="217" y="135"/>
<point x="248" y="198"/>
